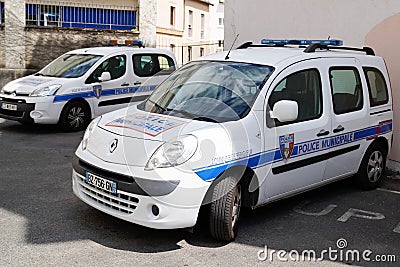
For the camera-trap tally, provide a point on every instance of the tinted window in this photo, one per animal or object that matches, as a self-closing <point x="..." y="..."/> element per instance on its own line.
<point x="116" y="66"/>
<point x="378" y="92"/>
<point x="304" y="87"/>
<point x="146" y="65"/>
<point x="346" y="90"/>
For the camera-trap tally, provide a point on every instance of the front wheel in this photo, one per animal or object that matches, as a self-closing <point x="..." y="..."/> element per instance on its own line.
<point x="373" y="168"/>
<point x="225" y="209"/>
<point x="74" y="117"/>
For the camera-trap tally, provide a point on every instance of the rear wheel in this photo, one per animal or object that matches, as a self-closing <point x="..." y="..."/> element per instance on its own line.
<point x="74" y="117"/>
<point x="373" y="167"/>
<point x="225" y="209"/>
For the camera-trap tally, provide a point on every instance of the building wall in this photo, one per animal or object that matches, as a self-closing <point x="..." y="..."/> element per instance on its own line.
<point x="176" y="37"/>
<point x="2" y="50"/>
<point x="46" y="44"/>
<point x="217" y="30"/>
<point x="373" y="23"/>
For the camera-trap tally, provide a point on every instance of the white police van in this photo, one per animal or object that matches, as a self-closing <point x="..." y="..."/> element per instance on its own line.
<point x="240" y="129"/>
<point x="85" y="83"/>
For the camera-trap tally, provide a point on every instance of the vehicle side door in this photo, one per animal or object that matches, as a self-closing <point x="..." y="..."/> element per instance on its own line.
<point x="149" y="70"/>
<point x="293" y="148"/>
<point x="350" y="117"/>
<point x="109" y="94"/>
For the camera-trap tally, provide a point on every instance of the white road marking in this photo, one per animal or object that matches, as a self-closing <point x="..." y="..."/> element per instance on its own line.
<point x="364" y="214"/>
<point x="387" y="190"/>
<point x="397" y="229"/>
<point x="327" y="210"/>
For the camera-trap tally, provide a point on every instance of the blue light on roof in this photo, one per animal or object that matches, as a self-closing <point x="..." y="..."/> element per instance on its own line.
<point x="301" y="42"/>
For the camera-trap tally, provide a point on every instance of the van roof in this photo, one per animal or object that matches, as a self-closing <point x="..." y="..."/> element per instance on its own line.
<point x="115" y="49"/>
<point x="274" y="56"/>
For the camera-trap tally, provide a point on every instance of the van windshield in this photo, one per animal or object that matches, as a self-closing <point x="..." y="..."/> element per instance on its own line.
<point x="209" y="90"/>
<point x="69" y="66"/>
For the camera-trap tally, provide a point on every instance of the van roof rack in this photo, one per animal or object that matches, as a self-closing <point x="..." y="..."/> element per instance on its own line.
<point x="312" y="45"/>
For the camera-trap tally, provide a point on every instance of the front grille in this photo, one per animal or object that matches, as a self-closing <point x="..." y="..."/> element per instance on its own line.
<point x="12" y="100"/>
<point x="122" y="202"/>
<point x="12" y="113"/>
<point x="17" y="94"/>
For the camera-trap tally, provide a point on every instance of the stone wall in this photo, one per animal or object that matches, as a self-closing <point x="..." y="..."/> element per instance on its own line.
<point x="2" y="50"/>
<point x="45" y="44"/>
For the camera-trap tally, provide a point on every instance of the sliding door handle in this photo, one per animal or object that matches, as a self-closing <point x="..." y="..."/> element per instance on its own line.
<point x="323" y="132"/>
<point x="338" y="129"/>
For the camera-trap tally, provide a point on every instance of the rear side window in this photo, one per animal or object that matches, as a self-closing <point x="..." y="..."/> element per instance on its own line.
<point x="378" y="92"/>
<point x="346" y="89"/>
<point x="146" y="65"/>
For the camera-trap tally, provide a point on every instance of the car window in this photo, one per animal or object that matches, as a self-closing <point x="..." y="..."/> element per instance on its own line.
<point x="346" y="89"/>
<point x="146" y="65"/>
<point x="304" y="87"/>
<point x="70" y="66"/>
<point x="378" y="91"/>
<point x="116" y="66"/>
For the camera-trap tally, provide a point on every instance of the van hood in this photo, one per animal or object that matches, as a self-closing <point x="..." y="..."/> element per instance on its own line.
<point x="28" y="84"/>
<point x="135" y="123"/>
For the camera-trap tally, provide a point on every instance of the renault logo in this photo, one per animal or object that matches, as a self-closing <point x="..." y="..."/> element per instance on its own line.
<point x="113" y="145"/>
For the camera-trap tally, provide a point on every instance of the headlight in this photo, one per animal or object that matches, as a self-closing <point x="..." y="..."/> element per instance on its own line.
<point x="3" y="89"/>
<point x="46" y="91"/>
<point x="89" y="131"/>
<point x="172" y="153"/>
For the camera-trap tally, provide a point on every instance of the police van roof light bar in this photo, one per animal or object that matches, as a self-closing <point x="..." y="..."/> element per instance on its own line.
<point x="301" y="42"/>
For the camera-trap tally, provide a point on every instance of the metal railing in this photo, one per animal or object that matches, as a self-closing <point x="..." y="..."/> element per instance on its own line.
<point x="1" y="13"/>
<point x="81" y="15"/>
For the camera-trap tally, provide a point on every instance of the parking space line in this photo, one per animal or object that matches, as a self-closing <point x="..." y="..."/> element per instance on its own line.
<point x="387" y="190"/>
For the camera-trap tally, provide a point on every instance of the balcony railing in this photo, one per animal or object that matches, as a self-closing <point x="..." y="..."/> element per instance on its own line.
<point x="83" y="16"/>
<point x="1" y="13"/>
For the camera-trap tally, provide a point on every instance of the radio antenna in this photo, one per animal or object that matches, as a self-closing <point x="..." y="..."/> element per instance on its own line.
<point x="234" y="41"/>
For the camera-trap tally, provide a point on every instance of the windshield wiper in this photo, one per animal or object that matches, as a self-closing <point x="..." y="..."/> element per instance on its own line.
<point x="191" y="115"/>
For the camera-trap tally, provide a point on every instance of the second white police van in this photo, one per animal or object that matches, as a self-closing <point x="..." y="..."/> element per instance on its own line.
<point x="85" y="83"/>
<point x="240" y="129"/>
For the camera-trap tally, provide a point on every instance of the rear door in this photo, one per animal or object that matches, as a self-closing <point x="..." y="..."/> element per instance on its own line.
<point x="149" y="70"/>
<point x="294" y="148"/>
<point x="350" y="116"/>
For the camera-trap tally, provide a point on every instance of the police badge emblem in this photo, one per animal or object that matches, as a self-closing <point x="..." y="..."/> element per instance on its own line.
<point x="97" y="89"/>
<point x="286" y="145"/>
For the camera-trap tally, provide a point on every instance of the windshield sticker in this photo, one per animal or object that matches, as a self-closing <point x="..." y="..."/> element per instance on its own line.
<point x="151" y="125"/>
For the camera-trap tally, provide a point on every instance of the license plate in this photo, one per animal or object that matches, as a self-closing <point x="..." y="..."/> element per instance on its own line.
<point x="8" y="106"/>
<point x="101" y="183"/>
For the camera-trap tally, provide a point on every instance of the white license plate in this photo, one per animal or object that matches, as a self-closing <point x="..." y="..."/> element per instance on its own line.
<point x="101" y="183"/>
<point x="8" y="106"/>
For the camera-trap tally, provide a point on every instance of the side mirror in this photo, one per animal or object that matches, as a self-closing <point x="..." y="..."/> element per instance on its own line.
<point x="285" y="111"/>
<point x="105" y="76"/>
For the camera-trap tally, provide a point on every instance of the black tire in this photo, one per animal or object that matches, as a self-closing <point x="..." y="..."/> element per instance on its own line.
<point x="225" y="209"/>
<point x="372" y="170"/>
<point x="75" y="116"/>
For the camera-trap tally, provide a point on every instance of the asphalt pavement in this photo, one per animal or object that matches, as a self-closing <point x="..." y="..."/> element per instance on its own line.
<point x="42" y="223"/>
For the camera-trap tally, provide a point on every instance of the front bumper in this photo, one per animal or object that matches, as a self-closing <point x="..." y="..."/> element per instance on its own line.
<point x="22" y="114"/>
<point x="43" y="109"/>
<point x="177" y="209"/>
